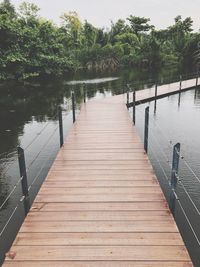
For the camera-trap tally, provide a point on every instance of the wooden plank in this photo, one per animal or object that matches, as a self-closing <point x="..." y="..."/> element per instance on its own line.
<point x="79" y="175"/>
<point x="99" y="198"/>
<point x="98" y="216"/>
<point x="101" y="190"/>
<point x="124" y="239"/>
<point x="98" y="263"/>
<point x="100" y="226"/>
<point x="103" y="156"/>
<point x="100" y="183"/>
<point x="175" y="253"/>
<point x="62" y="166"/>
<point x="104" y="206"/>
<point x="127" y="174"/>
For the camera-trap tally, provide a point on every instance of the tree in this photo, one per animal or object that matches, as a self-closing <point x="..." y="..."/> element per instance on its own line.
<point x="139" y="24"/>
<point x="120" y="27"/>
<point x="89" y="34"/>
<point x="73" y="26"/>
<point x="28" y="11"/>
<point x="6" y="8"/>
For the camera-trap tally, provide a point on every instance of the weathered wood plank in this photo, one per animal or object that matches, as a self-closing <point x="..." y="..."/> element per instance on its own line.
<point x="100" y="183"/>
<point x="143" y="190"/>
<point x="98" y="216"/>
<point x="100" y="198"/>
<point x="98" y="263"/>
<point x="175" y="253"/>
<point x="102" y="206"/>
<point x="124" y="239"/>
<point x="166" y="225"/>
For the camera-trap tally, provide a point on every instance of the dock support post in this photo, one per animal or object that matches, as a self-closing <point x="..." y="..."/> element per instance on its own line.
<point x="73" y="107"/>
<point x="60" y="126"/>
<point x="146" y="129"/>
<point x="24" y="182"/>
<point x="134" y="105"/>
<point x="174" y="176"/>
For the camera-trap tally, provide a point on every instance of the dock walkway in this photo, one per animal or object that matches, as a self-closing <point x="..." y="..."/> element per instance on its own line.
<point x="101" y="203"/>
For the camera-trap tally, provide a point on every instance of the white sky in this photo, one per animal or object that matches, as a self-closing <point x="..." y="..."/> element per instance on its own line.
<point x="101" y="12"/>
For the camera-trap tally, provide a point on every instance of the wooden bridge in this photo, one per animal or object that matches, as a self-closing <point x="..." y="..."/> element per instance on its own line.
<point x="101" y="203"/>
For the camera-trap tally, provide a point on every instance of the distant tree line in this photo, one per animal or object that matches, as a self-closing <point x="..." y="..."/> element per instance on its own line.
<point x="33" y="46"/>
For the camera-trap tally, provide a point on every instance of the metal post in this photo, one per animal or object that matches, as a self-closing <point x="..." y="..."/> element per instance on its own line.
<point x="156" y="94"/>
<point x="127" y="93"/>
<point x="174" y="175"/>
<point x="146" y="129"/>
<point x="134" y="106"/>
<point x="60" y="126"/>
<point x="180" y="87"/>
<point x="179" y="99"/>
<point x="73" y="107"/>
<point x="84" y="93"/>
<point x="24" y="182"/>
<point x="197" y="78"/>
<point x="156" y="90"/>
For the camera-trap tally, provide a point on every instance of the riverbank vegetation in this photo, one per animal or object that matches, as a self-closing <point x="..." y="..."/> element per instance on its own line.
<point x="33" y="46"/>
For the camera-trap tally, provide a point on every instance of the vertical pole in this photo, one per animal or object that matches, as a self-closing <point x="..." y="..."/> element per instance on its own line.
<point x="146" y="129"/>
<point x="84" y="93"/>
<point x="60" y="126"/>
<point x="24" y="182"/>
<point x="73" y="107"/>
<point x="156" y="94"/>
<point x="127" y="94"/>
<point x="180" y="86"/>
<point x="174" y="175"/>
<point x="179" y="99"/>
<point x="156" y="90"/>
<point x="134" y="105"/>
<point x="197" y="78"/>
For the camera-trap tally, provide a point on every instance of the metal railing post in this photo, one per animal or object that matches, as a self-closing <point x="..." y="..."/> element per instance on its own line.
<point x="84" y="93"/>
<point x="73" y="107"/>
<point x="60" y="126"/>
<point x="134" y="105"/>
<point x="197" y="78"/>
<point x="180" y="86"/>
<point x="156" y="94"/>
<point x="24" y="182"/>
<point x="127" y="95"/>
<point x="156" y="90"/>
<point x="146" y="129"/>
<point x="174" y="175"/>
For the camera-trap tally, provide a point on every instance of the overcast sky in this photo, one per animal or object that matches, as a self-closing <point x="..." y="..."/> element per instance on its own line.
<point x="101" y="12"/>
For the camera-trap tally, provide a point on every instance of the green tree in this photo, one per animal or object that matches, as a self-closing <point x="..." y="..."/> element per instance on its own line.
<point x="139" y="24"/>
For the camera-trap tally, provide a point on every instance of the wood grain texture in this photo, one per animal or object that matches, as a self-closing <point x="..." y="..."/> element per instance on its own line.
<point x="101" y="203"/>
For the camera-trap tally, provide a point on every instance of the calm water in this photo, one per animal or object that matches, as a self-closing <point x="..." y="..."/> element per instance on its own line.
<point x="28" y="115"/>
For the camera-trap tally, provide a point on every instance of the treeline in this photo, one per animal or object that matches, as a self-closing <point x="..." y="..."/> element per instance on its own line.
<point x="33" y="46"/>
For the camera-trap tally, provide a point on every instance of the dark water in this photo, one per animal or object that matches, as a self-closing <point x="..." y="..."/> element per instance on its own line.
<point x="28" y="117"/>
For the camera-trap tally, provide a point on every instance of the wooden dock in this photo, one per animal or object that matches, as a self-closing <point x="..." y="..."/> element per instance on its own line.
<point x="101" y="203"/>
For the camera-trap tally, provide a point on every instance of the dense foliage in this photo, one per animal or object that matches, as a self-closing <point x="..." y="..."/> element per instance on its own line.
<point x="32" y="46"/>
